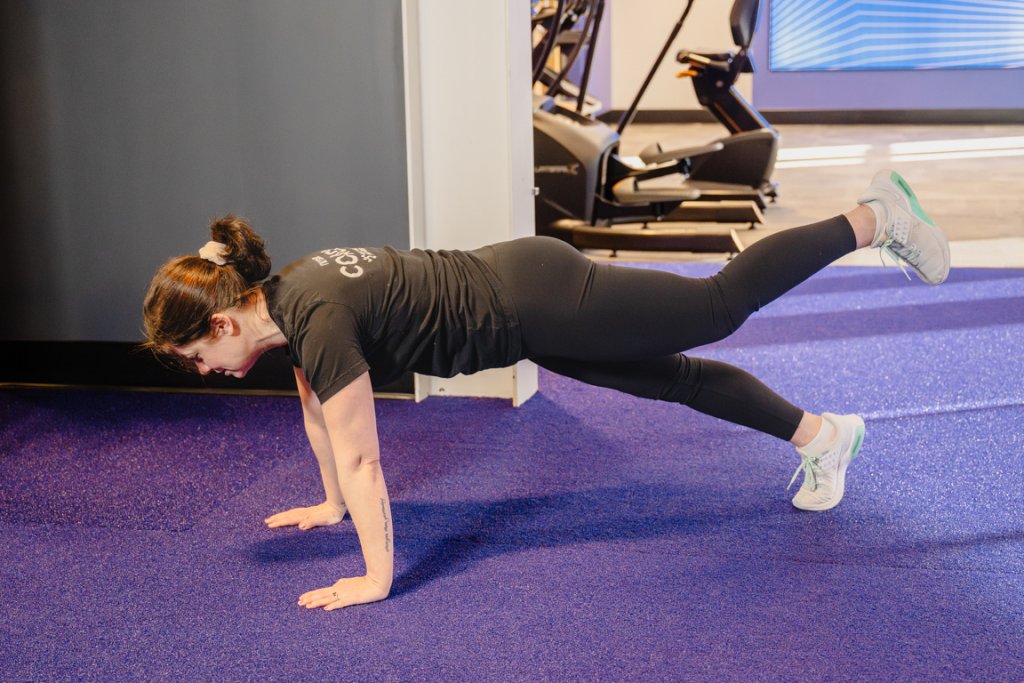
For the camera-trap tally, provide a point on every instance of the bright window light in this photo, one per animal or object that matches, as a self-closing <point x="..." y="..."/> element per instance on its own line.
<point x="974" y="154"/>
<point x="836" y="152"/>
<point x="808" y="163"/>
<point x="956" y="145"/>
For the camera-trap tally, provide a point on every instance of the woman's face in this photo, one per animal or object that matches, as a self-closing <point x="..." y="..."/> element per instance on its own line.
<point x="226" y="350"/>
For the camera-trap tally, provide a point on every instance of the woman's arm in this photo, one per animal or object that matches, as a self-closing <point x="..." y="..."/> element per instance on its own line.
<point x="352" y="431"/>
<point x="332" y="510"/>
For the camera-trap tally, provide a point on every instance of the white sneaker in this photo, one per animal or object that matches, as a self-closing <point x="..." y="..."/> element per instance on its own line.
<point x="825" y="472"/>
<point x="906" y="232"/>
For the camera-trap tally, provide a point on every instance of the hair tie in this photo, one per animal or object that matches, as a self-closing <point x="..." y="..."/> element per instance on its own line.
<point x="214" y="253"/>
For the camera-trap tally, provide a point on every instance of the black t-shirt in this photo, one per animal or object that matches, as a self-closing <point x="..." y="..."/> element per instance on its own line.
<point x="348" y="310"/>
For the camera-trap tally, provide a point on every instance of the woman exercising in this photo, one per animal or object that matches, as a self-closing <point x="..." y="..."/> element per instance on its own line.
<point x="352" y="315"/>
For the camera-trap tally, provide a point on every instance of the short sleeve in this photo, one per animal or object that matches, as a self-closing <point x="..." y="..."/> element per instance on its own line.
<point x="329" y="349"/>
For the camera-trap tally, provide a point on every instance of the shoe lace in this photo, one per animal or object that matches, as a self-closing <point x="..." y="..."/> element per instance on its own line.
<point x="899" y="254"/>
<point x="807" y="467"/>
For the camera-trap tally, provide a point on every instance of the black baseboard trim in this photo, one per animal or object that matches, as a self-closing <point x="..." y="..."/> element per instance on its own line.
<point x="123" y="366"/>
<point x="874" y="116"/>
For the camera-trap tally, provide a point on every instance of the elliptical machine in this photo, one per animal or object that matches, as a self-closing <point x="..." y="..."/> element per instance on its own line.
<point x="585" y="185"/>
<point x="748" y="155"/>
<point x="560" y="37"/>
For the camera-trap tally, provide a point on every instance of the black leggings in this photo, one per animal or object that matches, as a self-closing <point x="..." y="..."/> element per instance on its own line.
<point x="624" y="328"/>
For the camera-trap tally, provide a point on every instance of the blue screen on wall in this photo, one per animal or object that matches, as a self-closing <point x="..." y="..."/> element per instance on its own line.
<point x="856" y="35"/>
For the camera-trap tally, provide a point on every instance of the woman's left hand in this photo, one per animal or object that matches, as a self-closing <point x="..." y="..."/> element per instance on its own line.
<point x="324" y="514"/>
<point x="344" y="593"/>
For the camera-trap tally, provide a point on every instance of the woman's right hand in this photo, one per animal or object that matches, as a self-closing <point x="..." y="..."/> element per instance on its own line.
<point x="324" y="514"/>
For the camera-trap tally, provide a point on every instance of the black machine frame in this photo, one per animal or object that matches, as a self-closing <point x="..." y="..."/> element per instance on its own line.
<point x="585" y="186"/>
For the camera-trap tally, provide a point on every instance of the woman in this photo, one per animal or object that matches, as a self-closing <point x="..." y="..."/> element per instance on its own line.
<point x="351" y="314"/>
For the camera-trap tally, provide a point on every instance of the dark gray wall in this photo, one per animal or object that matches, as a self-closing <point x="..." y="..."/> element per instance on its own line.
<point x="126" y="125"/>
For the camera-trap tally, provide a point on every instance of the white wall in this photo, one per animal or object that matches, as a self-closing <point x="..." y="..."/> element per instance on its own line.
<point x="638" y="30"/>
<point x="470" y="149"/>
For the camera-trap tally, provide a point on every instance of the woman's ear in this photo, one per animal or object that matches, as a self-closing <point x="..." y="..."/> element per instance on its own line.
<point x="221" y="325"/>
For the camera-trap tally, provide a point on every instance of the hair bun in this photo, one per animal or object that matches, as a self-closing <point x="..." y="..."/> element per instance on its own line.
<point x="245" y="250"/>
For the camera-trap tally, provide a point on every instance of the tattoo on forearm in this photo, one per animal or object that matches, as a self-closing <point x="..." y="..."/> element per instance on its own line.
<point x="387" y="530"/>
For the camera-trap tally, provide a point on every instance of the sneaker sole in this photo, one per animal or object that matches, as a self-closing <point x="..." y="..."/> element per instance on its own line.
<point x="858" y="440"/>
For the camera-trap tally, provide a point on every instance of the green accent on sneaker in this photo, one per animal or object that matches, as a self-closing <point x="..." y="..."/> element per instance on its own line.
<point x="915" y="206"/>
<point x="858" y="439"/>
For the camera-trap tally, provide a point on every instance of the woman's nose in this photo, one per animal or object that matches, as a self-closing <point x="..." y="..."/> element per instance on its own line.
<point x="203" y="368"/>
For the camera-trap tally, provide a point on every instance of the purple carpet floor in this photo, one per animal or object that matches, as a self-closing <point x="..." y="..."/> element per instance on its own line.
<point x="588" y="536"/>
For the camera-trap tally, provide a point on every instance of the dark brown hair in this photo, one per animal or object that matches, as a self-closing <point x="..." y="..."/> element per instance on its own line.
<point x="187" y="290"/>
